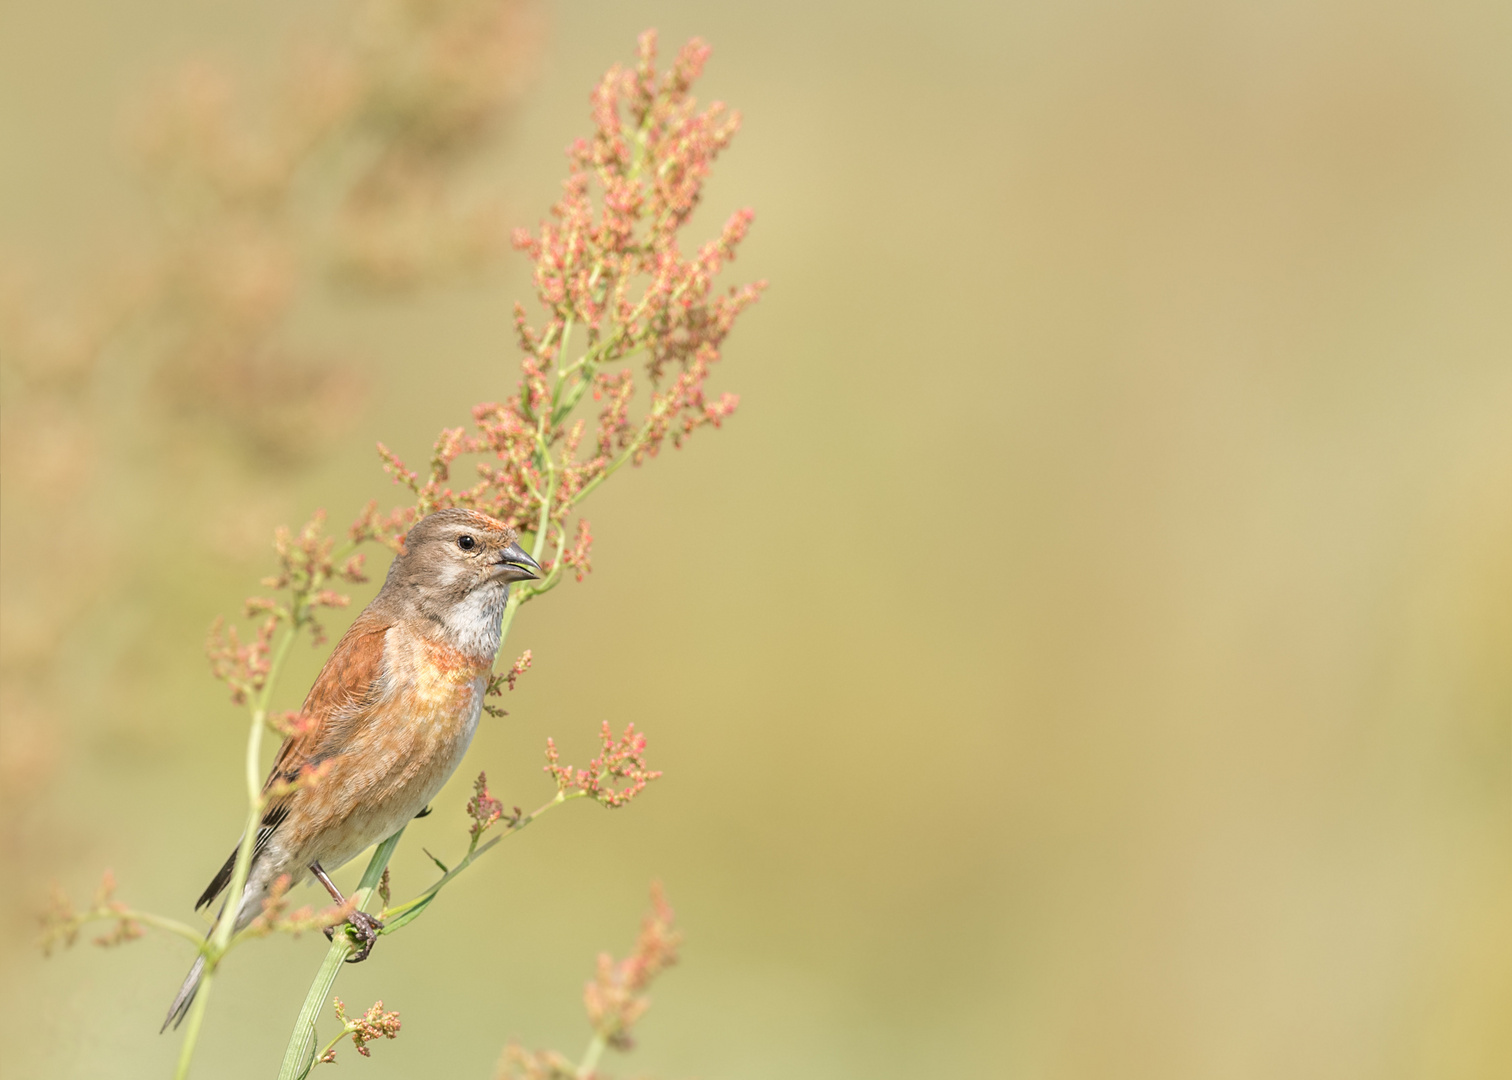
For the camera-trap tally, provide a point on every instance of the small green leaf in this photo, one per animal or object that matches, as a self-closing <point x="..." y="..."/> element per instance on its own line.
<point x="310" y="1061"/>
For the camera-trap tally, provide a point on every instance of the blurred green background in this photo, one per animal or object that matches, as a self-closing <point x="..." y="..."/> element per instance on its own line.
<point x="1088" y="651"/>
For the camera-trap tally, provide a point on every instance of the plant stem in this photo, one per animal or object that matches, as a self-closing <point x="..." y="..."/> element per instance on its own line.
<point x="591" y="1057"/>
<point x="192" y="1023"/>
<point x="400" y="915"/>
<point x="173" y="926"/>
<point x="220" y="937"/>
<point x="512" y="605"/>
<point x="299" y="1055"/>
<point x="613" y="466"/>
<point x="328" y="1047"/>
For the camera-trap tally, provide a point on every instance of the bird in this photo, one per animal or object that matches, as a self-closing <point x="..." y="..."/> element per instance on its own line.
<point x="388" y="718"/>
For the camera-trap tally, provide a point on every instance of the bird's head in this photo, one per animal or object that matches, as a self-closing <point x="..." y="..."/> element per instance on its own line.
<point x="456" y="569"/>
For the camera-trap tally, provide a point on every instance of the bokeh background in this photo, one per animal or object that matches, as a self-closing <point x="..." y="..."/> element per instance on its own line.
<point x="1087" y="653"/>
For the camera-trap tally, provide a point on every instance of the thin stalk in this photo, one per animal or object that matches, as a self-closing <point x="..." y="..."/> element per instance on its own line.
<point x="395" y="917"/>
<point x="592" y="356"/>
<point x="545" y="461"/>
<point x="516" y="598"/>
<point x="545" y="523"/>
<point x="546" y="414"/>
<point x="192" y="1023"/>
<point x="220" y="937"/>
<point x="157" y="922"/>
<point x="299" y="1054"/>
<point x="173" y="926"/>
<point x="564" y="369"/>
<point x="328" y="1047"/>
<point x="591" y="1057"/>
<point x="554" y="578"/>
<point x="614" y="466"/>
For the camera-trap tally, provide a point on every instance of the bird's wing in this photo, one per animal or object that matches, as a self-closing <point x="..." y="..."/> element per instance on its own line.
<point x="349" y="684"/>
<point x="351" y="681"/>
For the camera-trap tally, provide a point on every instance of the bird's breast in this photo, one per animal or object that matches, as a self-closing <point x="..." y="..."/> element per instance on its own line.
<point x="437" y="694"/>
<point x="412" y="742"/>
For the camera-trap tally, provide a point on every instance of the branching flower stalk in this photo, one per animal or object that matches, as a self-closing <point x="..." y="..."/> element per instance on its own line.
<point x="615" y="1000"/>
<point x="622" y="306"/>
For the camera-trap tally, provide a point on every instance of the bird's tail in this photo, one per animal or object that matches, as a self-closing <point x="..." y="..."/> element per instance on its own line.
<point x="185" y="996"/>
<point x="251" y="904"/>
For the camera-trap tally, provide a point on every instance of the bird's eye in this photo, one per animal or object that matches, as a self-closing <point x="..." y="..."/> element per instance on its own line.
<point x="466" y="543"/>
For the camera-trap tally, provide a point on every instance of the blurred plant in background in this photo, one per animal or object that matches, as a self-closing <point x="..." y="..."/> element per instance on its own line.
<point x="354" y="175"/>
<point x="349" y="175"/>
<point x="615" y="1000"/>
<point x="610" y="264"/>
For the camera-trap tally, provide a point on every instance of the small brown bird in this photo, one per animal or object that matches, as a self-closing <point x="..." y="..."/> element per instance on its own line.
<point x="390" y="715"/>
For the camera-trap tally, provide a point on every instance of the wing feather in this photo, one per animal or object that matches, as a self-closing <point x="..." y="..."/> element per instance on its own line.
<point x="351" y="681"/>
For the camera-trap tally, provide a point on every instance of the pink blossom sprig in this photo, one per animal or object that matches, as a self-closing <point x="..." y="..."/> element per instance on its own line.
<point x="621" y="759"/>
<point x="630" y="318"/>
<point x="609" y="264"/>
<point x="499" y="680"/>
<point x="483" y="808"/>
<point x="61" y="923"/>
<point x="521" y="1064"/>
<point x="291" y="723"/>
<point x="308" y="776"/>
<point x="371" y="1026"/>
<point x="387" y="529"/>
<point x="277" y="917"/>
<point x="616" y="999"/>
<point x="243" y="666"/>
<point x="308" y="561"/>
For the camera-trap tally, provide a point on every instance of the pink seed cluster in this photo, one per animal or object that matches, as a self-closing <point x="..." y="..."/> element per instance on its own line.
<point x="483" y="808"/>
<point x="61" y="923"/>
<point x="622" y="759"/>
<point x="616" y="999"/>
<point x="369" y="1027"/>
<point x="619" y="299"/>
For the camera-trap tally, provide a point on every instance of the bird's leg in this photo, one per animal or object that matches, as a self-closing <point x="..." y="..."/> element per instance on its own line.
<point x="363" y="925"/>
<point x="325" y="879"/>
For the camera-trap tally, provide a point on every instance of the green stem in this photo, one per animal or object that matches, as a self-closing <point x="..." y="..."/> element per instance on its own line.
<point x="396" y="917"/>
<point x="173" y="926"/>
<point x="157" y="922"/>
<point x="220" y="937"/>
<point x="299" y="1055"/>
<point x="550" y="406"/>
<point x="516" y="598"/>
<point x="591" y="1057"/>
<point x="192" y="1024"/>
<point x="554" y="578"/>
<point x="328" y="1047"/>
<point x="614" y="466"/>
<point x="545" y="523"/>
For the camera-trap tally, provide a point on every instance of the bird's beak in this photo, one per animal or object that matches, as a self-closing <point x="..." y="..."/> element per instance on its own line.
<point x="515" y="565"/>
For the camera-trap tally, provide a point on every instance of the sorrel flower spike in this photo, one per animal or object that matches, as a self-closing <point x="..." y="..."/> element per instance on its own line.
<point x="609" y="267"/>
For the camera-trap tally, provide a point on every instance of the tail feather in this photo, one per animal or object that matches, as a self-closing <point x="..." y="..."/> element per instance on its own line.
<point x="244" y="915"/>
<point x="185" y="996"/>
<point x="250" y="905"/>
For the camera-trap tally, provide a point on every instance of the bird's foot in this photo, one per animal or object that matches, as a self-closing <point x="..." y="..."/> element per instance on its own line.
<point x="363" y="930"/>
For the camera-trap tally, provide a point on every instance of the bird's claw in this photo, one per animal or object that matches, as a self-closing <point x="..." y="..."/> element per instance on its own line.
<point x="361" y="928"/>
